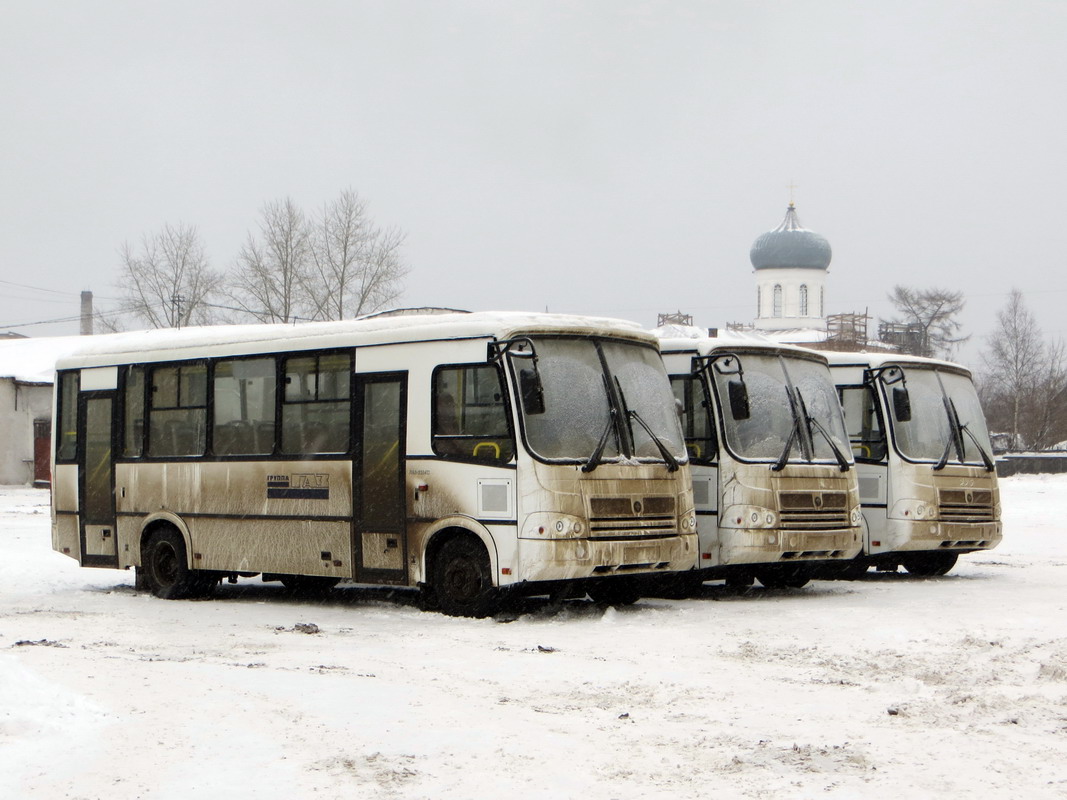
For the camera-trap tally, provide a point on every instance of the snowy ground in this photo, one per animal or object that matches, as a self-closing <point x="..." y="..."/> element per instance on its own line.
<point x="891" y="687"/>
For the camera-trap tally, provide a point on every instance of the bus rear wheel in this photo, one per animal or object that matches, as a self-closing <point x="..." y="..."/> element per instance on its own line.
<point x="165" y="568"/>
<point x="461" y="583"/>
<point x="929" y="564"/>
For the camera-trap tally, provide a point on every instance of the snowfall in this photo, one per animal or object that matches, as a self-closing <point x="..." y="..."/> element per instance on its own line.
<point x="886" y="687"/>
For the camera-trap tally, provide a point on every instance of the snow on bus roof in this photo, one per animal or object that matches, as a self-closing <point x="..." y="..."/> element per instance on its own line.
<point x="371" y="330"/>
<point x="33" y="360"/>
<point x="874" y="360"/>
<point x="674" y="338"/>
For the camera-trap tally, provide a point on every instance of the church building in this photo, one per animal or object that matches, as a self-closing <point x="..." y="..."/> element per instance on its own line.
<point x="791" y="264"/>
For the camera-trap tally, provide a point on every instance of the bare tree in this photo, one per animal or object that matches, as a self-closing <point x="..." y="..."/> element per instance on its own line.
<point x="357" y="266"/>
<point x="166" y="283"/>
<point x="272" y="274"/>
<point x="931" y="314"/>
<point x="1024" y="379"/>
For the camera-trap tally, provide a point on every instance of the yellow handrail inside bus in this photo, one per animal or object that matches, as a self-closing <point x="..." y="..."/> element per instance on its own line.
<point x="494" y="445"/>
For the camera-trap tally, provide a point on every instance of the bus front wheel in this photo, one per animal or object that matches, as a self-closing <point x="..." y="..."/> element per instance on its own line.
<point x="461" y="583"/>
<point x="929" y="564"/>
<point x="165" y="571"/>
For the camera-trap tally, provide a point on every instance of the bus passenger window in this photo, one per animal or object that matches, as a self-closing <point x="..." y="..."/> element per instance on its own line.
<point x="317" y="405"/>
<point x="177" y="419"/>
<point x="67" y="429"/>
<point x="244" y="402"/>
<point x="133" y="413"/>
<point x="470" y="417"/>
<point x="863" y="422"/>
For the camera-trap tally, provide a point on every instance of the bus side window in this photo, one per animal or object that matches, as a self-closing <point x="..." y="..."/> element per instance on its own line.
<point x="177" y="417"/>
<point x="700" y="440"/>
<point x="470" y="419"/>
<point x="863" y="423"/>
<point x="67" y="427"/>
<point x="133" y="413"/>
<point x="244" y="402"/>
<point x="317" y="404"/>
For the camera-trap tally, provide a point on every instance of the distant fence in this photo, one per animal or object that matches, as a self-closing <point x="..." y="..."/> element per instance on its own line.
<point x="1031" y="463"/>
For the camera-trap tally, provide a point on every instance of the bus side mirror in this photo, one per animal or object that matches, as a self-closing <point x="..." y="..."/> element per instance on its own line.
<point x="901" y="404"/>
<point x="532" y="392"/>
<point x="738" y="393"/>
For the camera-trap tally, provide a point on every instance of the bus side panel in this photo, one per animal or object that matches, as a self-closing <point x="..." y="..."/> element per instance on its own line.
<point x="291" y="517"/>
<point x="439" y="489"/>
<point x="65" y="522"/>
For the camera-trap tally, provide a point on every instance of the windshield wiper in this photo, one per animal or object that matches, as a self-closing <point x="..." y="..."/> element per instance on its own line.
<point x="986" y="458"/>
<point x="598" y="452"/>
<point x="672" y="462"/>
<point x="797" y="433"/>
<point x="955" y="440"/>
<point x="842" y="462"/>
<point x="783" y="459"/>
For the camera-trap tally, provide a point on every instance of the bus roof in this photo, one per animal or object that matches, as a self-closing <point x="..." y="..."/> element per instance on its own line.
<point x="882" y="359"/>
<point x="222" y="340"/>
<point x="685" y="339"/>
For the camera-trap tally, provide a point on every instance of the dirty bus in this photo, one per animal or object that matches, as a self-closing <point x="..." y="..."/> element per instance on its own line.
<point x="773" y="481"/>
<point x="463" y="454"/>
<point x="927" y="479"/>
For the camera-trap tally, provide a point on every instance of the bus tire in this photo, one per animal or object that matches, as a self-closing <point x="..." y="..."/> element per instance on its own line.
<point x="309" y="585"/>
<point x="783" y="578"/>
<point x="165" y="571"/>
<point x="615" y="592"/>
<point x="462" y="586"/>
<point x="929" y="564"/>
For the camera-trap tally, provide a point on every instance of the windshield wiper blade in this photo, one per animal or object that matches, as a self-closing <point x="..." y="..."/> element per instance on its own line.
<point x="598" y="453"/>
<point x="672" y="462"/>
<point x="783" y="459"/>
<point x="841" y="460"/>
<point x="986" y="458"/>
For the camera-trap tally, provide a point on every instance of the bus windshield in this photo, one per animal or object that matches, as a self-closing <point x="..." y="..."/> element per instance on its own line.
<point x="603" y="400"/>
<point x="793" y="410"/>
<point x="945" y="417"/>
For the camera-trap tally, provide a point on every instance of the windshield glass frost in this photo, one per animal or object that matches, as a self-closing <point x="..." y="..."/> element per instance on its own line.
<point x="577" y="404"/>
<point x="928" y="432"/>
<point x="764" y="434"/>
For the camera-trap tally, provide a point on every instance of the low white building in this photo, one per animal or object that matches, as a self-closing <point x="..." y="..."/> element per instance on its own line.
<point x="27" y="369"/>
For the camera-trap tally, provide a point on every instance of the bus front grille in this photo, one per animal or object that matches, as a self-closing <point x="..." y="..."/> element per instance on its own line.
<point x="965" y="505"/>
<point x="813" y="511"/>
<point x="632" y="517"/>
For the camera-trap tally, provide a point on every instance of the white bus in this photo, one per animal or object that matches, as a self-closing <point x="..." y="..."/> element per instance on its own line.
<point x="464" y="454"/>
<point x="927" y="478"/>
<point x="773" y="480"/>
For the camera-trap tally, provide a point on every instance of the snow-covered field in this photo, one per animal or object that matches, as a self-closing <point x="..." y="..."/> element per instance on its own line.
<point x="889" y="687"/>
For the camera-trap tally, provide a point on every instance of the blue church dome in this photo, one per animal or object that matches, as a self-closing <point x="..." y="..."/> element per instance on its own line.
<point x="790" y="246"/>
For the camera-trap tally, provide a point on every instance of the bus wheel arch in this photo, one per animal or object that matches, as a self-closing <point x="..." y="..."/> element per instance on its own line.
<point x="459" y="572"/>
<point x="165" y="570"/>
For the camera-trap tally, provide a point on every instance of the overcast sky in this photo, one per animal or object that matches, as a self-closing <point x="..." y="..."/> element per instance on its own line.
<point x="606" y="157"/>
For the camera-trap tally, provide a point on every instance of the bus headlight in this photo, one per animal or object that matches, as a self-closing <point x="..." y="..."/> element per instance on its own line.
<point x="749" y="517"/>
<point x="856" y="516"/>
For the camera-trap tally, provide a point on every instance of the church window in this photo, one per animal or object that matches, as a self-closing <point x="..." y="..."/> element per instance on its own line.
<point x="803" y="299"/>
<point x="777" y="300"/>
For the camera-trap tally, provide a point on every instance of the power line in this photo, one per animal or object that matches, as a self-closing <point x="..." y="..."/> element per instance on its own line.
<point x="39" y="289"/>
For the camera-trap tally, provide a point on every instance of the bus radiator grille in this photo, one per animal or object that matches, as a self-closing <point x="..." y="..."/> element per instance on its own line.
<point x="813" y="511"/>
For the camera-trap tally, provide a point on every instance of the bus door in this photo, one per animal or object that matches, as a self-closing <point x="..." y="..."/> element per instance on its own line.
<point x="96" y="479"/>
<point x="379" y="494"/>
